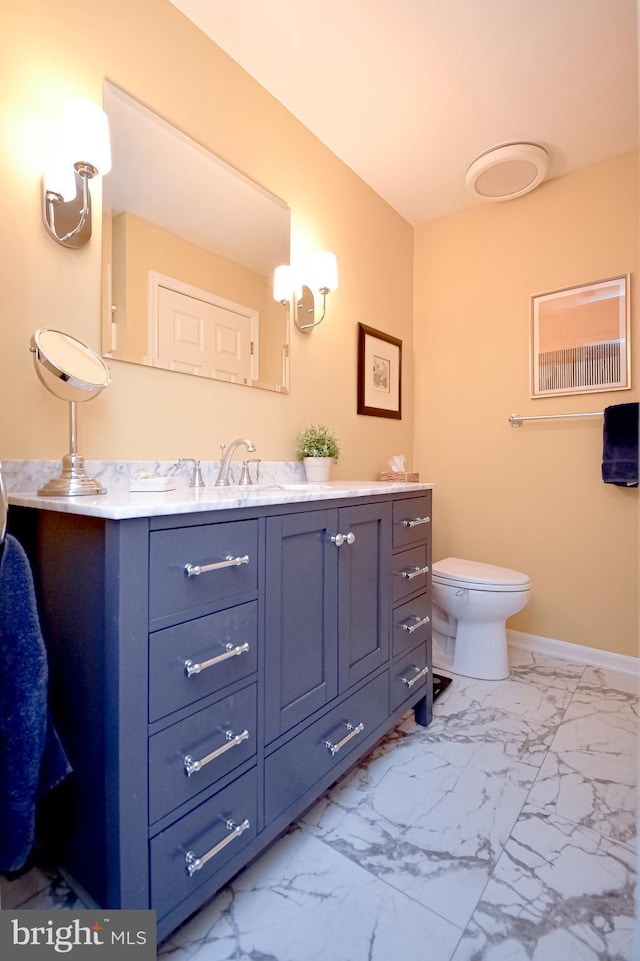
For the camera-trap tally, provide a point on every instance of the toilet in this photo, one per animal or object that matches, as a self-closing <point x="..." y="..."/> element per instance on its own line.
<point x="471" y="604"/>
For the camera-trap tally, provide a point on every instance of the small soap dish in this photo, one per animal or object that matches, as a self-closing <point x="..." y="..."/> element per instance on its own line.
<point x="151" y="483"/>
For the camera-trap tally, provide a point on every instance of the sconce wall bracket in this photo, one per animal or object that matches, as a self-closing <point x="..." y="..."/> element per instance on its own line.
<point x="69" y="223"/>
<point x="304" y="310"/>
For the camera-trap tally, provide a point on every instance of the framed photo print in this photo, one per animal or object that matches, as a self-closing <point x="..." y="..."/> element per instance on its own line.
<point x="579" y="341"/>
<point x="379" y="373"/>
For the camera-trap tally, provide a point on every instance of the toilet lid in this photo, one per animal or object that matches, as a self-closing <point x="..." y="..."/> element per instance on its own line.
<point x="456" y="570"/>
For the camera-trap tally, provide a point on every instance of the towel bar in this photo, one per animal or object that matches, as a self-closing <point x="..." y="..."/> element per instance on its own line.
<point x="516" y="420"/>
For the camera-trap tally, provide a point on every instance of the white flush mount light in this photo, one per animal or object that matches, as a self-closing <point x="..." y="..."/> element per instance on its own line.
<point x="507" y="171"/>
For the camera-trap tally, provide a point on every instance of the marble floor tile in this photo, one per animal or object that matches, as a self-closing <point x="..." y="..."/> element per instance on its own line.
<point x="431" y="824"/>
<point x="605" y="681"/>
<point x="542" y="669"/>
<point x="522" y="716"/>
<point x="303" y="902"/>
<point x="590" y="772"/>
<point x="559" y="891"/>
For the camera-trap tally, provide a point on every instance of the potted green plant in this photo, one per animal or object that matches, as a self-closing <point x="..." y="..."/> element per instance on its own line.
<point x="317" y="446"/>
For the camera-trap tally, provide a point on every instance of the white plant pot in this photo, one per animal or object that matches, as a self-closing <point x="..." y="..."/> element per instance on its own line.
<point x="317" y="469"/>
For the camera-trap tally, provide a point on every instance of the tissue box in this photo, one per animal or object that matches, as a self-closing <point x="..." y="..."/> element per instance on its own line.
<point x="402" y="477"/>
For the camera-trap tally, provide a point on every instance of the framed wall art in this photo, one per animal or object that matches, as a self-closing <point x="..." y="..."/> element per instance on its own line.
<point x="379" y="373"/>
<point x="579" y="341"/>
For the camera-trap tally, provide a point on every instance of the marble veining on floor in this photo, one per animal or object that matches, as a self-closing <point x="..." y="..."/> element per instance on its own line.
<point x="505" y="831"/>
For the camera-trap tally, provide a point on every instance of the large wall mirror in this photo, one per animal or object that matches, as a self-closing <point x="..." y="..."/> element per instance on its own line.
<point x="189" y="250"/>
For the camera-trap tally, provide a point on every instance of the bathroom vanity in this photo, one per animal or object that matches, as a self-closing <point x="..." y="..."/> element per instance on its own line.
<point x="217" y="661"/>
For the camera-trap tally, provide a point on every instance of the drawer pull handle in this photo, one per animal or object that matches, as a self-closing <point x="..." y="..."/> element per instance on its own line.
<point x="193" y="570"/>
<point x="193" y="667"/>
<point x="412" y="572"/>
<point x="334" y="748"/>
<point x="191" y="765"/>
<point x="415" y="521"/>
<point x="195" y="863"/>
<point x="414" y="680"/>
<point x="418" y="622"/>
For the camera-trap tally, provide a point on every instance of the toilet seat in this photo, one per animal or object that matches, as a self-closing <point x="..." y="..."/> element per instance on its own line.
<point x="475" y="576"/>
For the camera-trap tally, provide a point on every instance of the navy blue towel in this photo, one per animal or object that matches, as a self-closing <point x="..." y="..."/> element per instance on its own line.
<point x="32" y="760"/>
<point x="620" y="445"/>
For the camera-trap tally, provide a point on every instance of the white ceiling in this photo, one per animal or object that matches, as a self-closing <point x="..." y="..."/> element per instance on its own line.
<point x="408" y="92"/>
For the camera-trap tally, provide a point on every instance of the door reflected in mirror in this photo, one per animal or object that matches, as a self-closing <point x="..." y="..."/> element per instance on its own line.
<point x="190" y="246"/>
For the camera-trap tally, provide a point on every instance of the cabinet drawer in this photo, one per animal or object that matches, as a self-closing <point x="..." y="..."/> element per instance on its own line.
<point x="410" y="572"/>
<point x="295" y="767"/>
<point x="410" y="675"/>
<point x="209" y="743"/>
<point x="411" y="624"/>
<point x="411" y="520"/>
<point x="192" y="660"/>
<point x="206" y="833"/>
<point x="225" y="555"/>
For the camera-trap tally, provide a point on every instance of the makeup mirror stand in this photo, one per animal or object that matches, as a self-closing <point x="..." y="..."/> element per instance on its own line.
<point x="73" y="479"/>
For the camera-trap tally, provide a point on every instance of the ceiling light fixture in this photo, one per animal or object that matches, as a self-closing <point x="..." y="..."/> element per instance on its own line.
<point x="506" y="171"/>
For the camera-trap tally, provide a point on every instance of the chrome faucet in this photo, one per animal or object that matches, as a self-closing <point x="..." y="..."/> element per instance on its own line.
<point x="222" y="480"/>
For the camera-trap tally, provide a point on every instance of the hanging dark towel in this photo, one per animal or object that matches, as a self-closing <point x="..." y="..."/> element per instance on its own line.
<point x="620" y="445"/>
<point x="32" y="760"/>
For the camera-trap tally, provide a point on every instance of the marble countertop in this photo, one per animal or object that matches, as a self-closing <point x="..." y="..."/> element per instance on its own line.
<point x="119" y="504"/>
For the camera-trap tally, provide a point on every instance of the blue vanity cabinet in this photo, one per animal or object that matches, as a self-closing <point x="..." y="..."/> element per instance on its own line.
<point x="213" y="672"/>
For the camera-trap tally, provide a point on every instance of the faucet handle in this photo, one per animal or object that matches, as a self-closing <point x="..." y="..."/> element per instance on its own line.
<point x="245" y="476"/>
<point x="196" y="474"/>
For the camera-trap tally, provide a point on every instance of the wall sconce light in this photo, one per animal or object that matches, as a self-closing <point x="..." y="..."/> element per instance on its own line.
<point x="323" y="278"/>
<point x="84" y="152"/>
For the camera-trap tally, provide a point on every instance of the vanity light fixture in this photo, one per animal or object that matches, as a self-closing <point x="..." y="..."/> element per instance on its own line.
<point x="323" y="278"/>
<point x="84" y="152"/>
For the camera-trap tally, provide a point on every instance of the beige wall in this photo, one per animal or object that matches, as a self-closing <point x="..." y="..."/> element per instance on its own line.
<point x="51" y="51"/>
<point x="530" y="498"/>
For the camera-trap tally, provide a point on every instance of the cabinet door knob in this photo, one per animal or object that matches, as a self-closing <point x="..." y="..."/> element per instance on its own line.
<point x="340" y="539"/>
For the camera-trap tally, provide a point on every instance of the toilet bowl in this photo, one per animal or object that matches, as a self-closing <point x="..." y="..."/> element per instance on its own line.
<point x="471" y="604"/>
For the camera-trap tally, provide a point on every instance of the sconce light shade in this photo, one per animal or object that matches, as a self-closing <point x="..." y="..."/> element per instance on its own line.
<point x="324" y="269"/>
<point x="60" y="178"/>
<point x="283" y="284"/>
<point x="84" y="152"/>
<point x="84" y="135"/>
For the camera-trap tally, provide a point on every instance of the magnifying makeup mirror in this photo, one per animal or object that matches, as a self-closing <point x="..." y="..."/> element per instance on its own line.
<point x="72" y="372"/>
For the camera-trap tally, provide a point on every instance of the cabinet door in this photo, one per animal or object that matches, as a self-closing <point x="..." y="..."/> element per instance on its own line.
<point x="301" y="617"/>
<point x="364" y="593"/>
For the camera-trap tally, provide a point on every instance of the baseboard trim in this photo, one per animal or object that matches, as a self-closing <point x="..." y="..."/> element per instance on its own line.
<point x="607" y="660"/>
